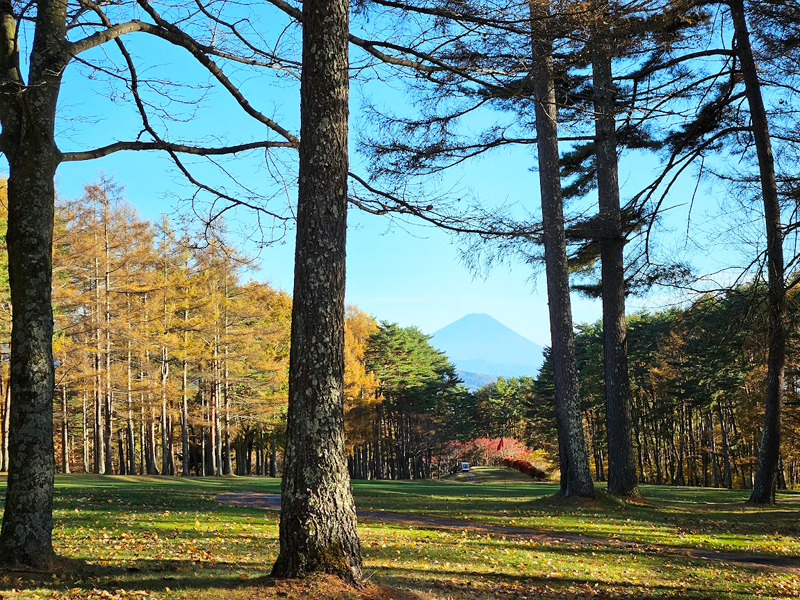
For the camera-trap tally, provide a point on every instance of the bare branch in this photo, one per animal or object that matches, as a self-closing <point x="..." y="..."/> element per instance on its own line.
<point x="171" y="147"/>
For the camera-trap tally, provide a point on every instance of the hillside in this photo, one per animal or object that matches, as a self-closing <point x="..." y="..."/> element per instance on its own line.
<point x="475" y="380"/>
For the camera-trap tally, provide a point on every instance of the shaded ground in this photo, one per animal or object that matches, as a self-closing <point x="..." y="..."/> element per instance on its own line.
<point x="168" y="538"/>
<point x="273" y="502"/>
<point x="316" y="586"/>
<point x="471" y="477"/>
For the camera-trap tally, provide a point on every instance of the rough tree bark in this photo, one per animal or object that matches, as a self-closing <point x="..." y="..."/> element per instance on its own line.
<point x="622" y="480"/>
<point x="769" y="454"/>
<point x="27" y="114"/>
<point x="318" y="519"/>
<point x="576" y="478"/>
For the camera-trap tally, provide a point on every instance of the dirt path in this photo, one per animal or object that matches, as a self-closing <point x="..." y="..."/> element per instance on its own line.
<point x="273" y="502"/>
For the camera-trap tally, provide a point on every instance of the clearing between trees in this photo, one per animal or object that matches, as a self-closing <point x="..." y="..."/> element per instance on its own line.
<point x="164" y="537"/>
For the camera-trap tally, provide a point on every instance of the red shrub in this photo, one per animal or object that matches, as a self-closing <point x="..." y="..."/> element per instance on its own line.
<point x="523" y="466"/>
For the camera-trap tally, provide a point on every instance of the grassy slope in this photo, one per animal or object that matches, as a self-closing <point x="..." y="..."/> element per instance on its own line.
<point x="169" y="538"/>
<point x="491" y="475"/>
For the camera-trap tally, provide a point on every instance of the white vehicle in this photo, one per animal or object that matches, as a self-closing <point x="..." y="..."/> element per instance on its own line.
<point x="464" y="467"/>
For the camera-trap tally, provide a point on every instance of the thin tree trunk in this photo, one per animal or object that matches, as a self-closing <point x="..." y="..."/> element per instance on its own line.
<point x="142" y="444"/>
<point x="767" y="471"/>
<point x="226" y="386"/>
<point x="622" y="479"/>
<point x="576" y="477"/>
<point x="725" y="447"/>
<point x="5" y="393"/>
<point x="692" y="458"/>
<point x="109" y="394"/>
<point x="164" y="418"/>
<point x="152" y="469"/>
<point x="185" y="448"/>
<point x="171" y="447"/>
<point x="123" y="462"/>
<point x="227" y="466"/>
<point x="216" y="436"/>
<point x="7" y="422"/>
<point x="165" y="428"/>
<point x="185" y="420"/>
<point x="273" y="456"/>
<point x="64" y="431"/>
<point x="203" y="448"/>
<point x="85" y="433"/>
<point x="129" y="398"/>
<point x="99" y="398"/>
<point x="378" y="451"/>
<point x="218" y="420"/>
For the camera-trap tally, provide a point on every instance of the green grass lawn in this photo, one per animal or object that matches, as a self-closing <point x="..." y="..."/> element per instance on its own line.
<point x="706" y="518"/>
<point x="491" y="475"/>
<point x="152" y="537"/>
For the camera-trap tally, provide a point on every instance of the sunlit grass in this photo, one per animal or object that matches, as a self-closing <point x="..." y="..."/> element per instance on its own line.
<point x="169" y="538"/>
<point x="698" y="517"/>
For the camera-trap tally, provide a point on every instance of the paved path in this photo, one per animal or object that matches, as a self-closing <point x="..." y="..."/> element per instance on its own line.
<point x="782" y="563"/>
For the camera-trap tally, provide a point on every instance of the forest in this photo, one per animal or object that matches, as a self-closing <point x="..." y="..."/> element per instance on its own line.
<point x="168" y="362"/>
<point x="141" y="348"/>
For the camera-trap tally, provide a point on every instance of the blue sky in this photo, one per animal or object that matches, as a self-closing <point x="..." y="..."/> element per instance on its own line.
<point x="404" y="273"/>
<point x="398" y="272"/>
<point x="408" y="274"/>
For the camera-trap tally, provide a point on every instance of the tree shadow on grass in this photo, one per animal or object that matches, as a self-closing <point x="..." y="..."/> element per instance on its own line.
<point x="145" y="578"/>
<point x="481" y="586"/>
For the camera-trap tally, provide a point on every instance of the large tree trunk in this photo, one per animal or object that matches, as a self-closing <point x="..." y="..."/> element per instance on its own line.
<point x="621" y="462"/>
<point x="318" y="518"/>
<point x="576" y="478"/>
<point x="28" y="119"/>
<point x="767" y="471"/>
<point x="28" y="518"/>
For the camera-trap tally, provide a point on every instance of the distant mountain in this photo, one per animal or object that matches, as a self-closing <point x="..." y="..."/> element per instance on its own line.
<point x="480" y="344"/>
<point x="475" y="380"/>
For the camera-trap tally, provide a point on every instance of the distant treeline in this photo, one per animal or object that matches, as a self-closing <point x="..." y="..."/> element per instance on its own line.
<point x="697" y="385"/>
<point x="168" y="363"/>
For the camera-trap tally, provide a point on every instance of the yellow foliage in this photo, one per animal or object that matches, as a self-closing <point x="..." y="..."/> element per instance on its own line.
<point x="360" y="387"/>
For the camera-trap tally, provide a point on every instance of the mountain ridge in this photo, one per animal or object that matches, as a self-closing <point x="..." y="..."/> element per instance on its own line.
<point x="480" y="344"/>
